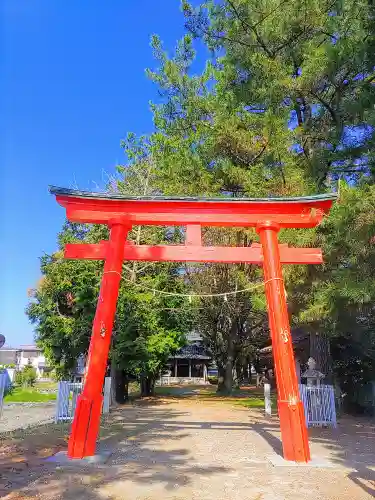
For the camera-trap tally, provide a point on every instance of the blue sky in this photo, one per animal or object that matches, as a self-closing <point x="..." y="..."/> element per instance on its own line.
<point x="74" y="85"/>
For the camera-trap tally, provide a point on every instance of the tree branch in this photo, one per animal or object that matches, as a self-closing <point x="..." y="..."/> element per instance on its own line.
<point x="222" y="37"/>
<point x="270" y="13"/>
<point x="327" y="106"/>
<point x="245" y="25"/>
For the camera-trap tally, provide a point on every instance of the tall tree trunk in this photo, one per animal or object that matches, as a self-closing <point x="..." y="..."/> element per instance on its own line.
<point x="228" y="377"/>
<point x="227" y="385"/>
<point x="121" y="386"/>
<point x="152" y="386"/>
<point x="220" y="378"/>
<point x="320" y="351"/>
<point x="239" y="373"/>
<point x="147" y="386"/>
<point x="143" y="383"/>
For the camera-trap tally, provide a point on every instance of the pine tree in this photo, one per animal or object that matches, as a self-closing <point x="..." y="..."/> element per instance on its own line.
<point x="283" y="107"/>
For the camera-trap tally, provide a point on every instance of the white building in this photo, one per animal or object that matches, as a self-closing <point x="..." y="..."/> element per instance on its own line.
<point x="32" y="355"/>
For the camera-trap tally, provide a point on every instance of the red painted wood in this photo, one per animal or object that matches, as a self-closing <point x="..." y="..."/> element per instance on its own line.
<point x="194" y="214"/>
<point x="206" y="213"/>
<point x="193" y="235"/>
<point x="91" y="251"/>
<point x="182" y="218"/>
<point x="292" y="421"/>
<point x="76" y="443"/>
<point x="87" y="415"/>
<point x="181" y="253"/>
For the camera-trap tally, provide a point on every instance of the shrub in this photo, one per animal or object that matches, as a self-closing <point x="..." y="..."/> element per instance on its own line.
<point x="213" y="380"/>
<point x="18" y="377"/>
<point x="26" y="377"/>
<point x="8" y="390"/>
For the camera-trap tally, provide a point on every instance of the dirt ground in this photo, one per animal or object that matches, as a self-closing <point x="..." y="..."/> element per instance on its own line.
<point x="168" y="449"/>
<point x="20" y="415"/>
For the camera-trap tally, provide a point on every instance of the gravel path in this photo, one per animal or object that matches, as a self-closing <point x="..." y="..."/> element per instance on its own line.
<point x="22" y="415"/>
<point x="182" y="450"/>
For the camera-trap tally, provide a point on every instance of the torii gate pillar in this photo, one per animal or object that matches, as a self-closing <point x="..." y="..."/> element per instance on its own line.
<point x="85" y="428"/>
<point x="291" y="413"/>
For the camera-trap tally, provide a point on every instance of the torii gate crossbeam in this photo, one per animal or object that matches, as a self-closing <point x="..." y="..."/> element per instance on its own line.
<point x="120" y="213"/>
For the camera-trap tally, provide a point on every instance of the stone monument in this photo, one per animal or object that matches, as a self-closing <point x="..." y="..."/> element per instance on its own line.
<point x="312" y="375"/>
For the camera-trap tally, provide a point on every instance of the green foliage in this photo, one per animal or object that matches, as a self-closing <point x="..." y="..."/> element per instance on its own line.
<point x="301" y="76"/>
<point x="18" y="378"/>
<point x="63" y="305"/>
<point x="150" y="328"/>
<point x="9" y="389"/>
<point x="340" y="296"/>
<point x="284" y="106"/>
<point x="213" y="380"/>
<point x="26" y="377"/>
<point x="147" y="328"/>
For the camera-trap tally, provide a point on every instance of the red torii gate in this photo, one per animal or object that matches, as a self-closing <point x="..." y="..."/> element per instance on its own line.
<point x="120" y="213"/>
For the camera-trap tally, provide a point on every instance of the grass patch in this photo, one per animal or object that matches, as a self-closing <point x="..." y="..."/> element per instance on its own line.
<point x="247" y="398"/>
<point x="168" y="391"/>
<point x="50" y="385"/>
<point x="254" y="402"/>
<point x="28" y="395"/>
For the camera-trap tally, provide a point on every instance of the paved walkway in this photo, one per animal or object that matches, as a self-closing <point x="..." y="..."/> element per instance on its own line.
<point x="197" y="450"/>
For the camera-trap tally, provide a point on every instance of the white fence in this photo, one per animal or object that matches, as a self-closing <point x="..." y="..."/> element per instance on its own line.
<point x="67" y="394"/>
<point x="319" y="405"/>
<point x="167" y="380"/>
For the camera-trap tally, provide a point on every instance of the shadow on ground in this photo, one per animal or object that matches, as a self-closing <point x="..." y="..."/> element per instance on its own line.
<point x="136" y="434"/>
<point x="129" y="433"/>
<point x="351" y="445"/>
